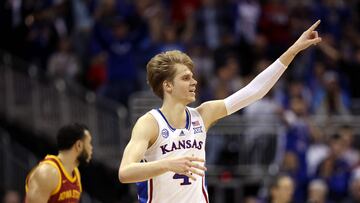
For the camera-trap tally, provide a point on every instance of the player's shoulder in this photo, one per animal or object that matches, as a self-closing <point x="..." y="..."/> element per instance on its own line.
<point x="147" y="122"/>
<point x="146" y="127"/>
<point x="147" y="118"/>
<point x="209" y="106"/>
<point x="201" y="107"/>
<point x="46" y="173"/>
<point x="48" y="169"/>
<point x="193" y="109"/>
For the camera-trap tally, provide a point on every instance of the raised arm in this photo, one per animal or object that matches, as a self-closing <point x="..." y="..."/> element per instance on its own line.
<point x="131" y="170"/>
<point x="260" y="85"/>
<point x="42" y="183"/>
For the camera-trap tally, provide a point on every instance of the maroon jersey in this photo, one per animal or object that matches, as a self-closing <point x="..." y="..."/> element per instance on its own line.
<point x="69" y="187"/>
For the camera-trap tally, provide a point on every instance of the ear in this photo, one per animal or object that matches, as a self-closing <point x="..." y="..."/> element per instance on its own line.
<point x="79" y="145"/>
<point x="167" y="86"/>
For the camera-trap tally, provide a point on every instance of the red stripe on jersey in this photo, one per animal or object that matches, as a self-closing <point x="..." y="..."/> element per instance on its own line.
<point x="204" y="191"/>
<point x="151" y="190"/>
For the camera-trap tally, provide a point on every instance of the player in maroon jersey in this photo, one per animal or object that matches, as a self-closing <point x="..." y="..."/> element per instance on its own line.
<point x="56" y="178"/>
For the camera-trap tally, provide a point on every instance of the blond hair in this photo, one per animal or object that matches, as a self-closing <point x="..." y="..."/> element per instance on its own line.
<point x="161" y="68"/>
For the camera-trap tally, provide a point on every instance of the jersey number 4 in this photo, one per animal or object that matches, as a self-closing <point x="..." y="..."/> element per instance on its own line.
<point x="184" y="177"/>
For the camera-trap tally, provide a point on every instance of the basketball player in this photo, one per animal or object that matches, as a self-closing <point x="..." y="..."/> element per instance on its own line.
<point x="57" y="178"/>
<point x="166" y="152"/>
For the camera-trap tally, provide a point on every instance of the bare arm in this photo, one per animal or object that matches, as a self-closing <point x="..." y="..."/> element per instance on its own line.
<point x="131" y="170"/>
<point x="260" y="85"/>
<point x="43" y="181"/>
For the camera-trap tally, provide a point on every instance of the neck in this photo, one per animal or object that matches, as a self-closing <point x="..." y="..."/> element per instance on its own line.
<point x="69" y="160"/>
<point x="174" y="113"/>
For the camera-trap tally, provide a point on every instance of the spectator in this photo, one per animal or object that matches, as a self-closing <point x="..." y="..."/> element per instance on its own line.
<point x="354" y="196"/>
<point x="350" y="155"/>
<point x="316" y="152"/>
<point x="274" y="24"/>
<point x="63" y="64"/>
<point x="299" y="133"/>
<point x="260" y="138"/>
<point x="317" y="192"/>
<point x="281" y="189"/>
<point x="121" y="71"/>
<point x="96" y="75"/>
<point x="295" y="88"/>
<point x="248" y="14"/>
<point x="331" y="100"/>
<point x="227" y="79"/>
<point x="334" y="14"/>
<point x="335" y="170"/>
<point x="12" y="196"/>
<point x="212" y="20"/>
<point x="170" y="40"/>
<point x="204" y="71"/>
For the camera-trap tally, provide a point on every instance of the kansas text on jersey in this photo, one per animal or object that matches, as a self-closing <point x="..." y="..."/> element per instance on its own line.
<point x="188" y="141"/>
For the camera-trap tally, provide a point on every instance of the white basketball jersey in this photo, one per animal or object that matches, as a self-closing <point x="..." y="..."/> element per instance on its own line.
<point x="188" y="141"/>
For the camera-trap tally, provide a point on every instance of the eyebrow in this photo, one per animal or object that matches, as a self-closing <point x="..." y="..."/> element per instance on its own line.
<point x="187" y="74"/>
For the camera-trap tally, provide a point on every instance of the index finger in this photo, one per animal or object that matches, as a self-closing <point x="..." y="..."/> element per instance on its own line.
<point x="313" y="27"/>
<point x="192" y="158"/>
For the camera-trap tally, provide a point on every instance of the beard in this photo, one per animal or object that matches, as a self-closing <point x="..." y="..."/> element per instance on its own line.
<point x="83" y="158"/>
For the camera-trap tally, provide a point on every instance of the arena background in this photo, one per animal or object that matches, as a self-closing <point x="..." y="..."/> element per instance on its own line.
<point x="63" y="61"/>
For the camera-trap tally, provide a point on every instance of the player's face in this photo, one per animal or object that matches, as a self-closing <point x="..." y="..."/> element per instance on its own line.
<point x="86" y="154"/>
<point x="184" y="84"/>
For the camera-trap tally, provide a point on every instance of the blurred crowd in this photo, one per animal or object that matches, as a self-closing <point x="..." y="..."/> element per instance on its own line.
<point x="105" y="45"/>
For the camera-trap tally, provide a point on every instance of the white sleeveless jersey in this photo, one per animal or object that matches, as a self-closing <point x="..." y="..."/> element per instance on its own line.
<point x="189" y="141"/>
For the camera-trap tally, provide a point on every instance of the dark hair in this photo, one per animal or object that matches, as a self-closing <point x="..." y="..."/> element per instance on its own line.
<point x="69" y="134"/>
<point x="345" y="127"/>
<point x="335" y="137"/>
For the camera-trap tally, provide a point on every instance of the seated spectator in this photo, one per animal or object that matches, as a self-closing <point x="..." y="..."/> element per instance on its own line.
<point x="331" y="100"/>
<point x="316" y="152"/>
<point x="295" y="88"/>
<point x="121" y="73"/>
<point x="12" y="196"/>
<point x="317" y="192"/>
<point x="335" y="170"/>
<point x="96" y="75"/>
<point x="298" y="136"/>
<point x="351" y="155"/>
<point x="227" y="78"/>
<point x="354" y="185"/>
<point x="63" y="64"/>
<point x="281" y="189"/>
<point x="260" y="138"/>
